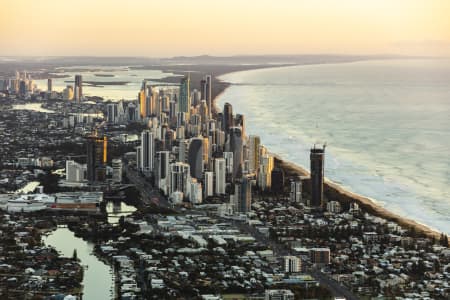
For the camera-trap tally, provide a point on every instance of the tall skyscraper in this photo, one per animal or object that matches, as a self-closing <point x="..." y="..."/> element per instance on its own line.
<point x="179" y="178"/>
<point x="184" y="103"/>
<point x="195" y="158"/>
<point x="245" y="195"/>
<point x="142" y="100"/>
<point x="317" y="158"/>
<point x="220" y="174"/>
<point x="254" y="142"/>
<point x="78" y="88"/>
<point x="147" y="151"/>
<point x="206" y="92"/>
<point x="49" y="85"/>
<point x="96" y="158"/>
<point x="227" y="121"/>
<point x="236" y="146"/>
<point x="162" y="170"/>
<point x="208" y="183"/>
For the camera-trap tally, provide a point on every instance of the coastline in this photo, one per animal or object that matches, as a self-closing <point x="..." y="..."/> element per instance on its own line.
<point x="336" y="192"/>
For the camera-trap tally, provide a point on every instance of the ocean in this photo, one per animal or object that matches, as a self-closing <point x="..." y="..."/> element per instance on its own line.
<point x="386" y="124"/>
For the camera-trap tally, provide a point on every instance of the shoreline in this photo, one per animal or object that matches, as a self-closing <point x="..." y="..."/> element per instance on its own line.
<point x="339" y="193"/>
<point x="336" y="192"/>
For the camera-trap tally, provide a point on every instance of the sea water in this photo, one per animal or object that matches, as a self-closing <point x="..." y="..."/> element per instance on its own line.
<point x="386" y="124"/>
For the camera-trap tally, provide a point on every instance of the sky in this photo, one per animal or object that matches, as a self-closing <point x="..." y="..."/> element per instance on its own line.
<point x="162" y="28"/>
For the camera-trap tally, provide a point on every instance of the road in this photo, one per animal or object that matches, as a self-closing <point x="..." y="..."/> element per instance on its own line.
<point x="150" y="194"/>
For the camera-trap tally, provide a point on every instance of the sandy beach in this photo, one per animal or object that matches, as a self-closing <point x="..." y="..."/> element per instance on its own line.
<point x="336" y="192"/>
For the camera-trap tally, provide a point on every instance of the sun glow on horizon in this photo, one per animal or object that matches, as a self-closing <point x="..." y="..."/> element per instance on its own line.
<point x="177" y="27"/>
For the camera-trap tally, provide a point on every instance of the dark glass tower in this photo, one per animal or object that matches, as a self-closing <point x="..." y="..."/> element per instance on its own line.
<point x="317" y="157"/>
<point x="236" y="146"/>
<point x="195" y="158"/>
<point x="227" y="117"/>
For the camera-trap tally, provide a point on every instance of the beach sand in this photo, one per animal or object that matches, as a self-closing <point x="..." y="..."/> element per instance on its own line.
<point x="336" y="192"/>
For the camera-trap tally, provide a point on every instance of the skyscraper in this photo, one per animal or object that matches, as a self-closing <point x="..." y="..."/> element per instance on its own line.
<point x="96" y="158"/>
<point x="236" y="146"/>
<point x="142" y="100"/>
<point x="206" y="92"/>
<point x="147" y="151"/>
<point x="78" y="88"/>
<point x="220" y="172"/>
<point x="49" y="85"/>
<point x="179" y="178"/>
<point x="208" y="183"/>
<point x="184" y="104"/>
<point x="244" y="194"/>
<point x="254" y="142"/>
<point x="227" y="117"/>
<point x="317" y="157"/>
<point x="195" y="158"/>
<point x="162" y="170"/>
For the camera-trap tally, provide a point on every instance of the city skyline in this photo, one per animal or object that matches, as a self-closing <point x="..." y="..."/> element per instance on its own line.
<point x="161" y="29"/>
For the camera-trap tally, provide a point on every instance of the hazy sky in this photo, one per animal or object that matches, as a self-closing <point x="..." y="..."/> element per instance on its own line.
<point x="194" y="27"/>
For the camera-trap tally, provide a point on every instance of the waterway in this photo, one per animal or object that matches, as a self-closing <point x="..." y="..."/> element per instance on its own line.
<point x="98" y="280"/>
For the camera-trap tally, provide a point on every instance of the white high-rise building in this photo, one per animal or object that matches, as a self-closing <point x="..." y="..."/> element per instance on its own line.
<point x="228" y="156"/>
<point x="147" y="152"/>
<point x="265" y="172"/>
<point x="117" y="170"/>
<point x="209" y="186"/>
<point x="179" y="178"/>
<point x="220" y="174"/>
<point x="296" y="191"/>
<point x="195" y="191"/>
<point x="292" y="264"/>
<point x="75" y="172"/>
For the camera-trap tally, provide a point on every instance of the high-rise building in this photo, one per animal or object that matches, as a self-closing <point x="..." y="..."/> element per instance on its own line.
<point x="209" y="184"/>
<point x="236" y="146"/>
<point x="142" y="104"/>
<point x="75" y="172"/>
<point x="320" y="256"/>
<point x="49" y="85"/>
<point x="317" y="157"/>
<point x="206" y="89"/>
<point x="265" y="171"/>
<point x="220" y="172"/>
<point x="162" y="170"/>
<point x="195" y="158"/>
<point x="184" y="103"/>
<point x="179" y="178"/>
<point x="96" y="158"/>
<point x="117" y="170"/>
<point x="277" y="179"/>
<point x="227" y="121"/>
<point x="147" y="152"/>
<point x="112" y="113"/>
<point x="296" y="191"/>
<point x="78" y="88"/>
<point x="292" y="264"/>
<point x="243" y="194"/>
<point x="228" y="156"/>
<point x="254" y="143"/>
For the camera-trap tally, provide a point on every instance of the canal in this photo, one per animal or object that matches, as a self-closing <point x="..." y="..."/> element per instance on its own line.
<point x="98" y="279"/>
